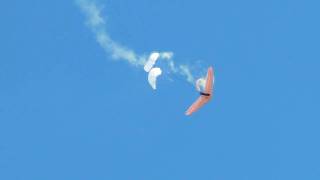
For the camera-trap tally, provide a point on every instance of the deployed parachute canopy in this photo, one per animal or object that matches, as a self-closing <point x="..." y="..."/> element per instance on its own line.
<point x="152" y="77"/>
<point x="151" y="61"/>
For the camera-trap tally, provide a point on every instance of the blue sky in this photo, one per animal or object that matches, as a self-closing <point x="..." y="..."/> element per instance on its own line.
<point x="69" y="111"/>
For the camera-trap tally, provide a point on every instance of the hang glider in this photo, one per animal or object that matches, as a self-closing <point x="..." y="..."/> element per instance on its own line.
<point x="205" y="96"/>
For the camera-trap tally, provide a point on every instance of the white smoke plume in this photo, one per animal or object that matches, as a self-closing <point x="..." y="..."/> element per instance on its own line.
<point x="97" y="24"/>
<point x="200" y="84"/>
<point x="185" y="71"/>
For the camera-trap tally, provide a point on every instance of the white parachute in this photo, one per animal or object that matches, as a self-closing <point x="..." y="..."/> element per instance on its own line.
<point x="151" y="61"/>
<point x="152" y="77"/>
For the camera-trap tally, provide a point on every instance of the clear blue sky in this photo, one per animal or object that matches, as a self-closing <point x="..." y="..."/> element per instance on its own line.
<point x="67" y="111"/>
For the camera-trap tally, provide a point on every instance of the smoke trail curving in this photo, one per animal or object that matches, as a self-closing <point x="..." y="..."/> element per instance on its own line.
<point x="97" y="24"/>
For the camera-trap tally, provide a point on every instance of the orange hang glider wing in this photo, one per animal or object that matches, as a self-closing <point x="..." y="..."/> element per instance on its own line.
<point x="197" y="105"/>
<point x="203" y="99"/>
<point x="209" y="81"/>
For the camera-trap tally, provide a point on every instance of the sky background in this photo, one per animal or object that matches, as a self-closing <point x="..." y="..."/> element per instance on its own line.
<point x="68" y="111"/>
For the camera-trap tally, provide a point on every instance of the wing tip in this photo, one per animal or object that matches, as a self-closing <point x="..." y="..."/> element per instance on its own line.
<point x="187" y="112"/>
<point x="210" y="69"/>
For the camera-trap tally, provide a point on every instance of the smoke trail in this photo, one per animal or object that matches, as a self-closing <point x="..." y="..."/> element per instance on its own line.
<point x="97" y="24"/>
<point x="185" y="71"/>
